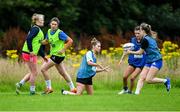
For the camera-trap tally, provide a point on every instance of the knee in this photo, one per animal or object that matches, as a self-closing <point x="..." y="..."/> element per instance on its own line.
<point x="148" y="80"/>
<point x="142" y="79"/>
<point x="125" y="77"/>
<point x="43" y="70"/>
<point x="132" y="79"/>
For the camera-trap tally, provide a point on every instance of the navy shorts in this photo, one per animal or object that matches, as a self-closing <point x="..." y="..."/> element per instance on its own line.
<point x="158" y="64"/>
<point x="86" y="81"/>
<point x="141" y="67"/>
<point x="57" y="59"/>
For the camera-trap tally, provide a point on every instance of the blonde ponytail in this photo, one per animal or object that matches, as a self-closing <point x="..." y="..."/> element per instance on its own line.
<point x="36" y="17"/>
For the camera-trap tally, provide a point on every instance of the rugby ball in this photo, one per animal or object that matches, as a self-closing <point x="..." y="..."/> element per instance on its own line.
<point x="128" y="46"/>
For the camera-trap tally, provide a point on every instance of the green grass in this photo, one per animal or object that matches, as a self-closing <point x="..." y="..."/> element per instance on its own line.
<point x="151" y="99"/>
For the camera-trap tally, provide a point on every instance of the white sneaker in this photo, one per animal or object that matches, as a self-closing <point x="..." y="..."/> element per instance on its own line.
<point x="123" y="91"/>
<point x="18" y="86"/>
<point x="136" y="93"/>
<point x="64" y="92"/>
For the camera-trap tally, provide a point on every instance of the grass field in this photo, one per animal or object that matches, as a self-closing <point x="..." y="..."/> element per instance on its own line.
<point x="152" y="99"/>
<point x="105" y="98"/>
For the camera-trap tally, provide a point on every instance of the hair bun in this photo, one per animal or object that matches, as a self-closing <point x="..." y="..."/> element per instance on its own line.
<point x="94" y="41"/>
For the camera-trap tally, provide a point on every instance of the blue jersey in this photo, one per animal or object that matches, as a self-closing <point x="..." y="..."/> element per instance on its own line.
<point x="136" y="60"/>
<point x="85" y="70"/>
<point x="152" y="51"/>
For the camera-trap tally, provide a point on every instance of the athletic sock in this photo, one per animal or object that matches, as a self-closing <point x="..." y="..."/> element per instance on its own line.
<point x="32" y="88"/>
<point x="48" y="84"/>
<point x="164" y="80"/>
<point x="137" y="91"/>
<point x="22" y="82"/>
<point x="71" y="85"/>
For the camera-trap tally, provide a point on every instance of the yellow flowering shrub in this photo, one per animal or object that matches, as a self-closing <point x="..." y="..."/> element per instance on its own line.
<point x="12" y="54"/>
<point x="170" y="52"/>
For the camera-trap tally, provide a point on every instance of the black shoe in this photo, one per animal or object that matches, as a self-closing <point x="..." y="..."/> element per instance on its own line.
<point x="130" y="92"/>
<point x="62" y="91"/>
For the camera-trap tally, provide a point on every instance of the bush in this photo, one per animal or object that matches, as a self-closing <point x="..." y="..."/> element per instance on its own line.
<point x="12" y="39"/>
